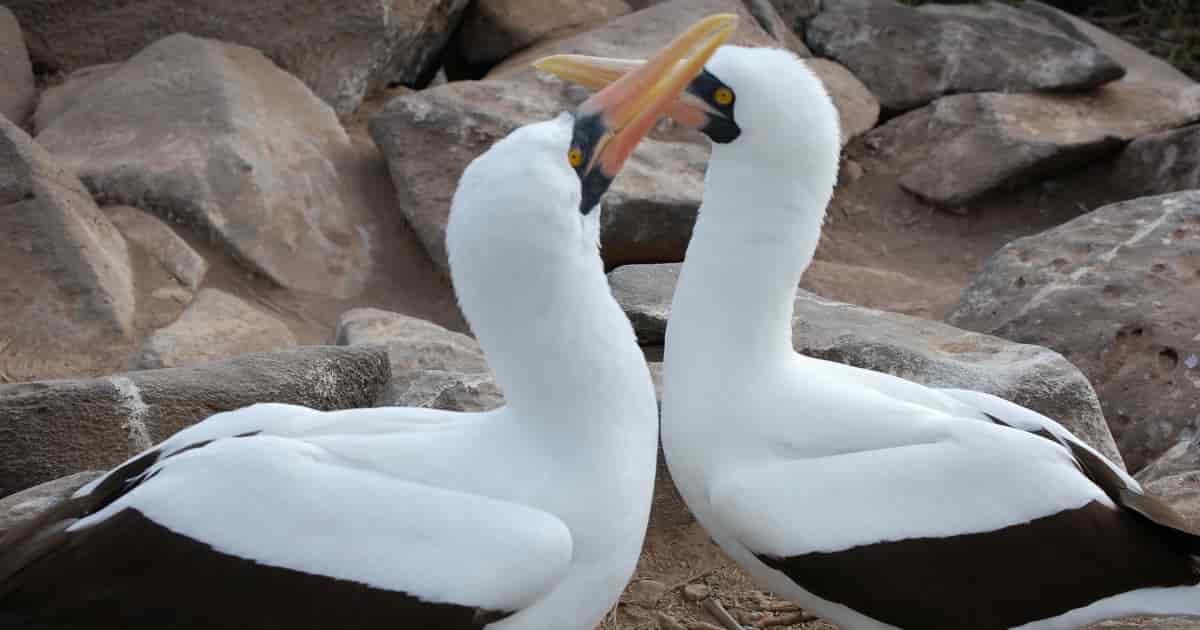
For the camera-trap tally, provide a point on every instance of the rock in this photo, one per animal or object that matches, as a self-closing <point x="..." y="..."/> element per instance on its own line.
<point x="57" y="99"/>
<point x="215" y="326"/>
<point x="216" y="136"/>
<point x="161" y="242"/>
<point x="667" y="622"/>
<point x="65" y="281"/>
<point x="961" y="147"/>
<point x="776" y="26"/>
<point x="1182" y="491"/>
<point x="927" y="352"/>
<point x="494" y="29"/>
<point x="429" y="137"/>
<point x="1115" y="291"/>
<point x="342" y="50"/>
<point x="23" y="506"/>
<point x="917" y="55"/>
<point x="1159" y="163"/>
<point x="646" y="592"/>
<point x="17" y="90"/>
<point x="644" y="293"/>
<point x="53" y="428"/>
<point x="1146" y="623"/>
<point x="695" y="592"/>
<point x="797" y="13"/>
<point x="1183" y="457"/>
<point x="431" y="366"/>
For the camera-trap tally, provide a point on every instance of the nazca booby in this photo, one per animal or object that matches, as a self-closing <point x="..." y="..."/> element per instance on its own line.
<point x="869" y="499"/>
<point x="527" y="517"/>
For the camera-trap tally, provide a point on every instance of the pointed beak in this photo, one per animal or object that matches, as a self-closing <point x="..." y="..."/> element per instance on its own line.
<point x="632" y="97"/>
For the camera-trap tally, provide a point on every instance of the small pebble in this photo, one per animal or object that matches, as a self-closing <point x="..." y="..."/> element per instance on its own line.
<point x="695" y="592"/>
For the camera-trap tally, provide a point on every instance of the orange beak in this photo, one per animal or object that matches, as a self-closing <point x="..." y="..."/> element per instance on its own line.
<point x="633" y="98"/>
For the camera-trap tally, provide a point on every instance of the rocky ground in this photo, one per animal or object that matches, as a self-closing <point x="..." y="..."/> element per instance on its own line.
<point x="207" y="210"/>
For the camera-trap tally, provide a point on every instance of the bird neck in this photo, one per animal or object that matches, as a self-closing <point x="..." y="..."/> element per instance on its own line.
<point x="562" y="350"/>
<point x="757" y="231"/>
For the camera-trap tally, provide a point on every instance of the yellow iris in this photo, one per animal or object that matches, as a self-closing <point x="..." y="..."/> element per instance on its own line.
<point x="723" y="96"/>
<point x="575" y="157"/>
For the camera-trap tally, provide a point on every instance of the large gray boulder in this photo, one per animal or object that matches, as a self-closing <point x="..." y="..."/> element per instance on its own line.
<point x="1115" y="291"/>
<point x="217" y="136"/>
<point x="431" y="366"/>
<point x="215" y="326"/>
<point x="53" y="428"/>
<point x="161" y="243"/>
<point x="23" y="506"/>
<point x="343" y="50"/>
<point x="924" y="351"/>
<point x="18" y="93"/>
<point x="65" y="278"/>
<point x="917" y="55"/>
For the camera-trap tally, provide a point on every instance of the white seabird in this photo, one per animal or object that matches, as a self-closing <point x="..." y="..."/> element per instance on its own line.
<point x="527" y="517"/>
<point x="871" y="500"/>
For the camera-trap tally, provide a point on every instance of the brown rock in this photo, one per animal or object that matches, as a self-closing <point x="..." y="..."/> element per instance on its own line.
<point x="917" y="55"/>
<point x="161" y="243"/>
<point x="695" y="592"/>
<point x="215" y="326"/>
<point x="216" y="136"/>
<point x="53" y="428"/>
<point x="342" y="50"/>
<point x="57" y="99"/>
<point x="65" y="281"/>
<point x="17" y="90"/>
<point x="1115" y="291"/>
<point x="961" y="147"/>
<point x="646" y="592"/>
<point x="494" y="29"/>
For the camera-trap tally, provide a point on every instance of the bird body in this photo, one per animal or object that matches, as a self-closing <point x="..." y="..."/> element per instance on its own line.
<point x="871" y="500"/>
<point x="527" y="517"/>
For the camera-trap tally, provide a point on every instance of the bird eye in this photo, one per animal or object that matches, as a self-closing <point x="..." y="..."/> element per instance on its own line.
<point x="575" y="157"/>
<point x="723" y="96"/>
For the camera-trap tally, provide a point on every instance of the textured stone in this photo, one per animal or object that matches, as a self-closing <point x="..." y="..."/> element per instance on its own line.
<point x="494" y="29"/>
<point x="431" y="366"/>
<point x="17" y="90"/>
<point x="916" y="55"/>
<point x="216" y="136"/>
<point x="858" y="109"/>
<point x="920" y="350"/>
<point x="53" y="428"/>
<point x="1115" y="291"/>
<point x="159" y="241"/>
<point x="962" y="147"/>
<point x="215" y="326"/>
<point x="65" y="280"/>
<point x="1159" y="163"/>
<point x="343" y="50"/>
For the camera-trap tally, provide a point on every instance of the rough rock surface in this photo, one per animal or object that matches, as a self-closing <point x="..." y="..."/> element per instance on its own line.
<point x="17" y="90"/>
<point x="431" y="366"/>
<point x="26" y="504"/>
<point x="342" y="50"/>
<point x="160" y="242"/>
<point x="215" y="326"/>
<point x="217" y="136"/>
<point x="1181" y="458"/>
<point x="917" y="55"/>
<point x="65" y="280"/>
<point x="52" y="428"/>
<point x="647" y="215"/>
<point x="1160" y="163"/>
<point x="55" y="100"/>
<point x="961" y="147"/>
<point x="924" y="351"/>
<point x="1182" y="491"/>
<point x="494" y="29"/>
<point x="1115" y="291"/>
